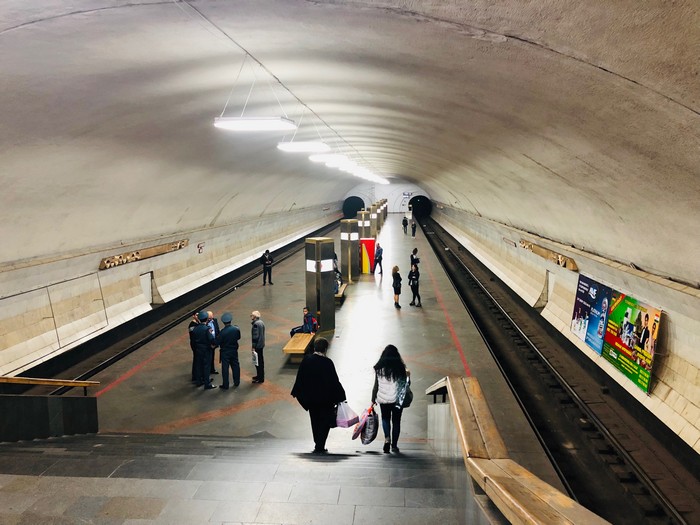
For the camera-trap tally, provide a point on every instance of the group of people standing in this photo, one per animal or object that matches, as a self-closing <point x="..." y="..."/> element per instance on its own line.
<point x="413" y="281"/>
<point x="318" y="390"/>
<point x="414" y="226"/>
<point x="206" y="336"/>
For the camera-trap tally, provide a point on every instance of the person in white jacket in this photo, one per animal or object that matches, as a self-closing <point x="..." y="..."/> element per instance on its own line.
<point x="390" y="374"/>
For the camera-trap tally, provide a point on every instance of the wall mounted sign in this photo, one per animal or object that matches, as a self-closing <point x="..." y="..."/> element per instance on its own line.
<point x="143" y="253"/>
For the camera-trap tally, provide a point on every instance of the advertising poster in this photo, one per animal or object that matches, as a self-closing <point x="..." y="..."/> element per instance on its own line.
<point x="366" y="254"/>
<point x="630" y="338"/>
<point x="590" y="315"/>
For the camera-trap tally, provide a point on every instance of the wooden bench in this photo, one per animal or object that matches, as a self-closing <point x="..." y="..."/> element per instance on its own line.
<point x="340" y="296"/>
<point x="297" y="345"/>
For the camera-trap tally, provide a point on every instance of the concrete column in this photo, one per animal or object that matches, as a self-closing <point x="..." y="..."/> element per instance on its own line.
<point x="380" y="216"/>
<point x="349" y="250"/>
<point x="373" y="222"/>
<point x="319" y="280"/>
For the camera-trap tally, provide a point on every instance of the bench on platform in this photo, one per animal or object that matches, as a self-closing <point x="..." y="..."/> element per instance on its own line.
<point x="340" y="296"/>
<point x="297" y="345"/>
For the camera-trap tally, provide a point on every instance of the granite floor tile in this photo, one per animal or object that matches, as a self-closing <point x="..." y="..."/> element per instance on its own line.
<point x="51" y="505"/>
<point x="21" y="484"/>
<point x="314" y="493"/>
<point x="74" y="487"/>
<point x="227" y="471"/>
<point x="30" y="518"/>
<point x="389" y="497"/>
<point x="304" y="473"/>
<point x="136" y="508"/>
<point x="229" y="491"/>
<point x="92" y="467"/>
<point x="154" y="468"/>
<point x="170" y="489"/>
<point x="85" y="508"/>
<point x="27" y="466"/>
<point x="405" y="516"/>
<point x="16" y="502"/>
<point x="235" y="512"/>
<point x="9" y="519"/>
<point x="432" y="498"/>
<point x="276" y="491"/>
<point x="186" y="512"/>
<point x="303" y="514"/>
<point x="5" y="479"/>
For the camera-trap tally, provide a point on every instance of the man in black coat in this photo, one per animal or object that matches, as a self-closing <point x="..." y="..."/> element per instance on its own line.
<point x="266" y="260"/>
<point x="203" y="340"/>
<point x="228" y="350"/>
<point x="318" y="390"/>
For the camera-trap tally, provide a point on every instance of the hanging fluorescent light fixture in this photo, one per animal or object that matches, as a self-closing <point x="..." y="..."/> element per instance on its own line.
<point x="327" y="157"/>
<point x="304" y="146"/>
<point x="255" y="123"/>
<point x="244" y="123"/>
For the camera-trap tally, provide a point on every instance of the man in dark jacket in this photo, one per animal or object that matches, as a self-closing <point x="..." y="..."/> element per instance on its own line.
<point x="318" y="390"/>
<point x="228" y="350"/>
<point x="266" y="261"/>
<point x="213" y="324"/>
<point x="203" y="340"/>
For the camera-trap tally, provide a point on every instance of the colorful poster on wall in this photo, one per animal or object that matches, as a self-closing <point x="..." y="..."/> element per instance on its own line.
<point x="630" y="338"/>
<point x="590" y="315"/>
<point x="366" y="254"/>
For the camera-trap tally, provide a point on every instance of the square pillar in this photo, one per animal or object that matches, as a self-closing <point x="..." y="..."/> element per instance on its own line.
<point x="319" y="280"/>
<point x="363" y="221"/>
<point x="349" y="250"/>
<point x="373" y="222"/>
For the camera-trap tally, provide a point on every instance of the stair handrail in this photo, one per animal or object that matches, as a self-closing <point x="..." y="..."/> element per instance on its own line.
<point x="518" y="494"/>
<point x="70" y="383"/>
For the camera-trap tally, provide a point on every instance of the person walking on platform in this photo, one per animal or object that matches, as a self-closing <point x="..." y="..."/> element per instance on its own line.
<point x="378" y="256"/>
<point x="258" y="340"/>
<point x="413" y="278"/>
<point x="414" y="257"/>
<point x="318" y="390"/>
<point x="309" y="324"/>
<point x="213" y="323"/>
<point x="413" y="228"/>
<point x="266" y="260"/>
<point x="193" y="323"/>
<point x="404" y="223"/>
<point x="396" y="285"/>
<point x="204" y="340"/>
<point x="228" y="351"/>
<point x="390" y="374"/>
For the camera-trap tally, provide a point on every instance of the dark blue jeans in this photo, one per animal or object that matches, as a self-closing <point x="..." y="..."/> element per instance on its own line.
<point x="391" y="421"/>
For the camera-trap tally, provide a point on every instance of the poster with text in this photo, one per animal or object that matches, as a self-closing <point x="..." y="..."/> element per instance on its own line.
<point x="590" y="314"/>
<point x="630" y="338"/>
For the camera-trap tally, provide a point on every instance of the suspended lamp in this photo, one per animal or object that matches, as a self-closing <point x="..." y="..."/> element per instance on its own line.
<point x="304" y="146"/>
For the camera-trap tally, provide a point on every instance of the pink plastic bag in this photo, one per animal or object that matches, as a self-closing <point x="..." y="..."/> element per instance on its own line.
<point x="346" y="416"/>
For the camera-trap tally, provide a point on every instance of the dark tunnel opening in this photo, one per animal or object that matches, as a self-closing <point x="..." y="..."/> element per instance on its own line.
<point x="421" y="206"/>
<point x="351" y="206"/>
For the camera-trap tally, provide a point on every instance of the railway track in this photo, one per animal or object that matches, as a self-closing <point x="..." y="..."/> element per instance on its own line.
<point x="606" y="458"/>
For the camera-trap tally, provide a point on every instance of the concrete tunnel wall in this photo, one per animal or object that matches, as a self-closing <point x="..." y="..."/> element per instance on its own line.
<point x="675" y="391"/>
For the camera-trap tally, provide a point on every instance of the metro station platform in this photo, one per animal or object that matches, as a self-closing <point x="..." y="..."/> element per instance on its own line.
<point x="243" y="455"/>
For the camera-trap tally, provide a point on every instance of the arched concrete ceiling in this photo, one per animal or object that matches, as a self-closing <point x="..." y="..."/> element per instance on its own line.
<point x="578" y="121"/>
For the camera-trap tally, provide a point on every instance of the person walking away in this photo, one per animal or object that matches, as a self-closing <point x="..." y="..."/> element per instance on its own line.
<point x="396" y="285"/>
<point x="378" y="256"/>
<point x="413" y="228"/>
<point x="414" y="257"/>
<point x="413" y="278"/>
<point x="194" y="322"/>
<point x="404" y="223"/>
<point x="318" y="390"/>
<point x="213" y="323"/>
<point x="228" y="351"/>
<point x="203" y="341"/>
<point x="258" y="342"/>
<point x="309" y="324"/>
<point x="389" y="373"/>
<point x="266" y="260"/>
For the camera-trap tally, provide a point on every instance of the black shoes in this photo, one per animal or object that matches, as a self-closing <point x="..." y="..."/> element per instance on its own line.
<point x="397" y="305"/>
<point x="411" y="304"/>
<point x="258" y="381"/>
<point x="386" y="447"/>
<point x="271" y="282"/>
<point x="394" y="448"/>
<point x="209" y="387"/>
<point x="320" y="451"/>
<point x="222" y="387"/>
<point x="419" y="305"/>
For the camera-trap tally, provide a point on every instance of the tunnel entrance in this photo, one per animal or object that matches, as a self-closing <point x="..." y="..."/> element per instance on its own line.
<point x="421" y="206"/>
<point x="351" y="206"/>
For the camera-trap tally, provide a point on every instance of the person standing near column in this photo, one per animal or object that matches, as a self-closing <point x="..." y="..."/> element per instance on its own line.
<point x="266" y="260"/>
<point x="413" y="278"/>
<point x="228" y="350"/>
<point x="378" y="256"/>
<point x="318" y="390"/>
<point x="258" y="340"/>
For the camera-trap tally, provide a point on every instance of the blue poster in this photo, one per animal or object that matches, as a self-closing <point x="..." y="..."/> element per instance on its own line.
<point x="591" y="309"/>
